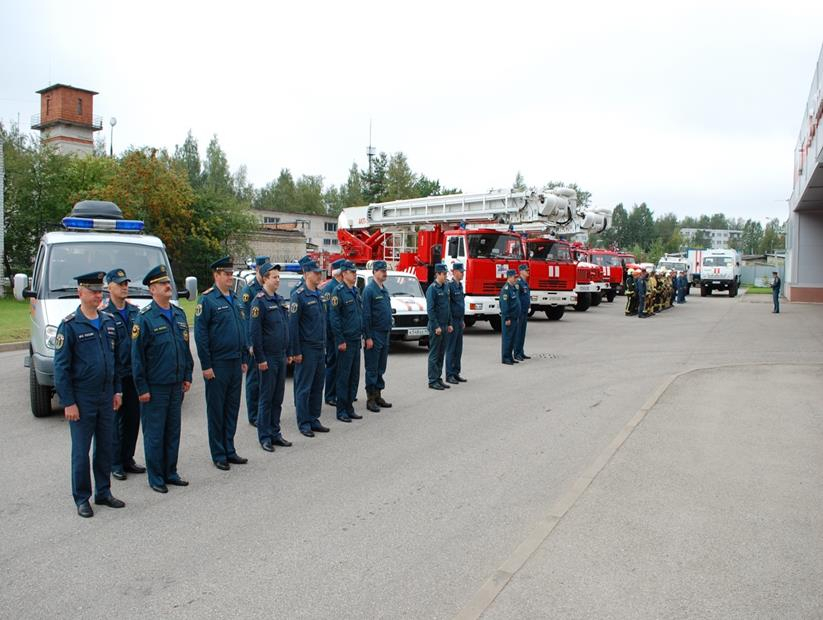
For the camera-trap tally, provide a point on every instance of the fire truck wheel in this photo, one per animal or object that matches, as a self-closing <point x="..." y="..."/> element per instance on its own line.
<point x="584" y="300"/>
<point x="555" y="313"/>
<point x="596" y="299"/>
<point x="610" y="295"/>
<point x="531" y="311"/>
<point x="470" y="320"/>
<point x="496" y="324"/>
<point x="703" y="290"/>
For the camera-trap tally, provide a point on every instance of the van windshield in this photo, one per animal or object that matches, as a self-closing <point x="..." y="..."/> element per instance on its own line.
<point x="717" y="261"/>
<point x="67" y="260"/>
<point x="403" y="286"/>
<point x="492" y="245"/>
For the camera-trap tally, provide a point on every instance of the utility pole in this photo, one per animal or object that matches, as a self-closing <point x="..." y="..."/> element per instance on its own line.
<point x="370" y="151"/>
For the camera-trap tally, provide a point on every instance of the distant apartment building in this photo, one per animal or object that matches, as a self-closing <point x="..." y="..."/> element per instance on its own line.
<point x="320" y="231"/>
<point x="719" y="239"/>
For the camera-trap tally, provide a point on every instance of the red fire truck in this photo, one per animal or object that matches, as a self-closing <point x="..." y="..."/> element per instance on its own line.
<point x="612" y="267"/>
<point x="474" y="229"/>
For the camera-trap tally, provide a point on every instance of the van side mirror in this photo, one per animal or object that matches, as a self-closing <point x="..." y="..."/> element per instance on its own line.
<point x="191" y="287"/>
<point x="20" y="287"/>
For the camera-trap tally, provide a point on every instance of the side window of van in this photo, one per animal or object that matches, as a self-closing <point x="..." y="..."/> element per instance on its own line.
<point x="37" y="276"/>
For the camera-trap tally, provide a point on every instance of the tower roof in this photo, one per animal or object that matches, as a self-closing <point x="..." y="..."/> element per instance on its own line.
<point x="56" y="86"/>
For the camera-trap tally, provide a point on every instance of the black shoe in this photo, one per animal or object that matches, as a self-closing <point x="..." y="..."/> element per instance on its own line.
<point x="320" y="429"/>
<point x="526" y="357"/>
<point x="379" y="400"/>
<point x="266" y="445"/>
<point x="443" y="385"/>
<point x="237" y="460"/>
<point x="436" y="386"/>
<point x="452" y="380"/>
<point x="279" y="441"/>
<point x="160" y="488"/>
<point x="85" y="511"/>
<point x="519" y="359"/>
<point x="178" y="482"/>
<point x="331" y="403"/>
<point x="345" y="419"/>
<point x="222" y="465"/>
<point x="460" y="379"/>
<point x="355" y="400"/>
<point x="110" y="501"/>
<point x="308" y="433"/>
<point x="253" y="423"/>
<point x="118" y="475"/>
<point x="508" y="362"/>
<point x="134" y="468"/>
<point x="354" y="416"/>
<point x="372" y="406"/>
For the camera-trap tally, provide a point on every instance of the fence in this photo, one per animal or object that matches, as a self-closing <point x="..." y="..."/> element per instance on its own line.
<point x="759" y="275"/>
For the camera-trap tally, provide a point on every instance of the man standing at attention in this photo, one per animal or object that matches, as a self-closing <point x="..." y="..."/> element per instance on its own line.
<point x="220" y="332"/>
<point x="127" y="418"/>
<point x="509" y="315"/>
<point x="331" y="349"/>
<point x="438" y="306"/>
<point x="524" y="295"/>
<point x="377" y="322"/>
<point x="776" y="292"/>
<point x="87" y="380"/>
<point x="307" y="335"/>
<point x="161" y="364"/>
<point x="454" y="340"/>
<point x="346" y="321"/>
<point x="247" y="295"/>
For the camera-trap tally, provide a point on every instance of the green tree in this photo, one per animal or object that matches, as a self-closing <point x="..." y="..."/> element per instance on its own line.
<point x="352" y="192"/>
<point x="400" y="180"/>
<point x="773" y="237"/>
<point x="308" y="195"/>
<point x="519" y="184"/>
<point x="752" y="236"/>
<point x="718" y="221"/>
<point x="701" y="240"/>
<point x="373" y="180"/>
<point x="641" y="225"/>
<point x="187" y="157"/>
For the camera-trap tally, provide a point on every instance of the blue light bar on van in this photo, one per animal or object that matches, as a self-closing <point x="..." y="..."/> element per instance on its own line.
<point x="295" y="267"/>
<point x="85" y="223"/>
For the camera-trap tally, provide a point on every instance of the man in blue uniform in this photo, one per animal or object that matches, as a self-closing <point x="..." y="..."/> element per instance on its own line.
<point x="331" y="348"/>
<point x="87" y="379"/>
<point x="127" y="418"/>
<point x="223" y="348"/>
<point x="640" y="292"/>
<point x="307" y="336"/>
<point x="524" y="294"/>
<point x="775" y="292"/>
<point x="509" y="315"/>
<point x="438" y="306"/>
<point x="269" y="329"/>
<point x="454" y="339"/>
<point x="247" y="295"/>
<point x="161" y="364"/>
<point x="377" y="323"/>
<point x="346" y="321"/>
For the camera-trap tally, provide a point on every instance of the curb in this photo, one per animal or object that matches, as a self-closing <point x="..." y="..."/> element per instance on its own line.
<point x="13" y="346"/>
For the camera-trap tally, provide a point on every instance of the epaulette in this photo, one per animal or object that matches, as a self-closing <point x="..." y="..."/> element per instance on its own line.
<point x="299" y="289"/>
<point x="145" y="308"/>
<point x="261" y="294"/>
<point x="208" y="290"/>
<point x="69" y="317"/>
<point x="108" y="314"/>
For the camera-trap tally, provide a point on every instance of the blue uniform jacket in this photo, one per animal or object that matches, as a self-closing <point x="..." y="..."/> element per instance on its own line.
<point x="458" y="297"/>
<point x="640" y="287"/>
<point x="247" y="295"/>
<point x="509" y="302"/>
<point x="346" y="314"/>
<point x="377" y="315"/>
<point x="123" y="334"/>
<point x="269" y="326"/>
<point x="307" y="320"/>
<point x="524" y="295"/>
<point x="86" y="361"/>
<point x="438" y="306"/>
<point x="160" y="351"/>
<point x="220" y="329"/>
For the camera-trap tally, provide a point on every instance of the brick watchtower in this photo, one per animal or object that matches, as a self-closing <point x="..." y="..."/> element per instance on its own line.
<point x="66" y="119"/>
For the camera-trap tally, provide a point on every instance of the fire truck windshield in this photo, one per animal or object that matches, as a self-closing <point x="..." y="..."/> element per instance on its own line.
<point x="607" y="260"/>
<point x="550" y="251"/>
<point x="491" y="245"/>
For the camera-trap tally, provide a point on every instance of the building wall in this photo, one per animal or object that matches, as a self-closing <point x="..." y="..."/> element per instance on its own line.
<point x="69" y="139"/>
<point x="62" y="104"/>
<point x="281" y="246"/>
<point x="720" y="238"/>
<point x="320" y="230"/>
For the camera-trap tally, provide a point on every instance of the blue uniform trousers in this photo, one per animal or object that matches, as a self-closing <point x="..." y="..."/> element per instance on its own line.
<point x="331" y="365"/>
<point x="520" y="338"/>
<point x="776" y="300"/>
<point x="96" y="422"/>
<point x="252" y="392"/>
<point x="126" y="427"/>
<point x="308" y="387"/>
<point x="375" y="361"/>
<point x="272" y="389"/>
<point x="222" y="408"/>
<point x="437" y="352"/>
<point x="348" y="376"/>
<point x="509" y="334"/>
<point x="454" y="349"/>
<point x="160" y="418"/>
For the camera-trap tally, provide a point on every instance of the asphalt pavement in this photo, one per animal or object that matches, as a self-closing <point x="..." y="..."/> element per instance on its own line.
<point x="594" y="480"/>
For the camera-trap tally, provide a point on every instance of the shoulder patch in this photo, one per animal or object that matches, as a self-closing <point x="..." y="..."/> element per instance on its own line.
<point x="246" y="297"/>
<point x="135" y="331"/>
<point x="255" y="312"/>
<point x="198" y="310"/>
<point x="293" y="307"/>
<point x="58" y="342"/>
<point x="335" y="300"/>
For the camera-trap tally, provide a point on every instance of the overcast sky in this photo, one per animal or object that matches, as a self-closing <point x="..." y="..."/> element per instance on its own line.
<point x="692" y="109"/>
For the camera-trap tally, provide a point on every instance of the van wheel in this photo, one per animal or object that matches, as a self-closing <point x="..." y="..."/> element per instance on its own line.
<point x="733" y="290"/>
<point x="469" y="320"/>
<point x="40" y="395"/>
<point x="596" y="298"/>
<point x="610" y="294"/>
<point x="555" y="313"/>
<point x="496" y="323"/>
<point x="584" y="300"/>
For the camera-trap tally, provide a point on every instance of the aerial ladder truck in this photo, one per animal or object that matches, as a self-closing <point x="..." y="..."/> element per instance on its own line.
<point x="482" y="231"/>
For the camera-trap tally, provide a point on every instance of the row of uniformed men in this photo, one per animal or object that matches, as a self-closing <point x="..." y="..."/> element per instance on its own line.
<point x="648" y="292"/>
